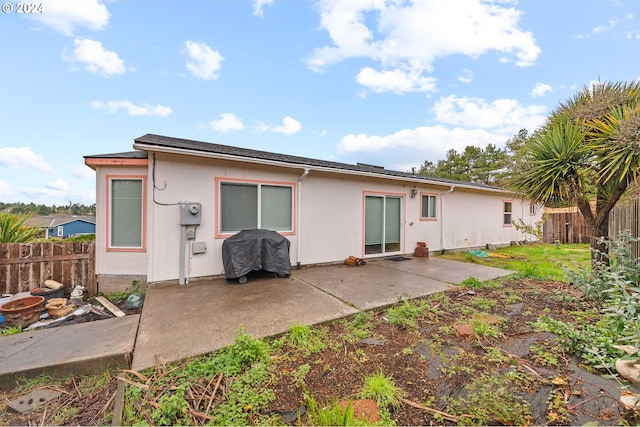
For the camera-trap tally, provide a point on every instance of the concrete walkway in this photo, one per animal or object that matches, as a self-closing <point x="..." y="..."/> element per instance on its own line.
<point x="200" y="317"/>
<point x="204" y="316"/>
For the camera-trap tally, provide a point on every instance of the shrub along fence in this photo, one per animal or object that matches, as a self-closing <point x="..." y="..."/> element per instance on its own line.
<point x="25" y="266"/>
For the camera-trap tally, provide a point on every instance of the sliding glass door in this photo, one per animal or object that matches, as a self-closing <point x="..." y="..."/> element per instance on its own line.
<point x="382" y="224"/>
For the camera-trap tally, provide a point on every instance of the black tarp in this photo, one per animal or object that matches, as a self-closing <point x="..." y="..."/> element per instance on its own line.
<point x="255" y="250"/>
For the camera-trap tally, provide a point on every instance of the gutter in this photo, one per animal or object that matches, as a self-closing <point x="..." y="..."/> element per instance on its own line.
<point x="298" y="215"/>
<point x="230" y="157"/>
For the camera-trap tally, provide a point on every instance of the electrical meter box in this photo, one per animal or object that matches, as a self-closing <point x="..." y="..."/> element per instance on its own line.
<point x="190" y="213"/>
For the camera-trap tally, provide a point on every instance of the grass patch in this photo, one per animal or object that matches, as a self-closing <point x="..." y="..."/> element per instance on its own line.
<point x="304" y="338"/>
<point x="536" y="260"/>
<point x="383" y="390"/>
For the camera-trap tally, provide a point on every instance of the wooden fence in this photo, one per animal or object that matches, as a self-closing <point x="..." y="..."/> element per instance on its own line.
<point x="24" y="266"/>
<point x="565" y="226"/>
<point x="625" y="217"/>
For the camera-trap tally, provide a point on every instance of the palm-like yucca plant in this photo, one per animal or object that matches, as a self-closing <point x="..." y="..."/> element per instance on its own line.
<point x="14" y="230"/>
<point x="588" y="149"/>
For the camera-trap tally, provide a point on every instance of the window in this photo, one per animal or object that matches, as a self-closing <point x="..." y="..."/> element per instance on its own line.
<point x="507" y="212"/>
<point x="126" y="213"/>
<point x="532" y="209"/>
<point x="247" y="205"/>
<point x="60" y="231"/>
<point x="428" y="208"/>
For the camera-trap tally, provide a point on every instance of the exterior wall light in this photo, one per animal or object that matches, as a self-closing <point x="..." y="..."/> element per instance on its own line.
<point x="414" y="192"/>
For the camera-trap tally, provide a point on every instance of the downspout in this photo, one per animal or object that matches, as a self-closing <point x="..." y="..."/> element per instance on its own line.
<point x="299" y="216"/>
<point x="442" y="217"/>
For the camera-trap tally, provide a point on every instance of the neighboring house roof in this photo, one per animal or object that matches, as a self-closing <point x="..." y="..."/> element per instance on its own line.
<point x="151" y="142"/>
<point x="49" y="221"/>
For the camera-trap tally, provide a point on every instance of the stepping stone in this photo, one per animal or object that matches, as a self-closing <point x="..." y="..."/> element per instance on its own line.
<point x="372" y="341"/>
<point x="32" y="401"/>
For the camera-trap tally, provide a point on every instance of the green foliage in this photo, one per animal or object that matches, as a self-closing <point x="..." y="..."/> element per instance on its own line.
<point x="14" y="230"/>
<point x="33" y="209"/>
<point x="304" y="338"/>
<point x="474" y="164"/>
<point x="483" y="303"/>
<point x="358" y="327"/>
<point x="472" y="282"/>
<point x="330" y="415"/>
<point x="586" y="150"/>
<point x="248" y="395"/>
<point x="492" y="399"/>
<point x="483" y="329"/>
<point x="614" y="287"/>
<point x="383" y="390"/>
<point x="406" y="313"/>
<point x="534" y="260"/>
<point x="11" y="330"/>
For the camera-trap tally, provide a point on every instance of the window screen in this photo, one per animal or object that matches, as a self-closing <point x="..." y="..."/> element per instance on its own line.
<point x="126" y="213"/>
<point x="428" y="206"/>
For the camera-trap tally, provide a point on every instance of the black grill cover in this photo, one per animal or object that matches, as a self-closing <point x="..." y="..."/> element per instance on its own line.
<point x="254" y="250"/>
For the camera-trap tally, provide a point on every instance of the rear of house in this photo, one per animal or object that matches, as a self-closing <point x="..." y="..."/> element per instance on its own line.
<point x="164" y="210"/>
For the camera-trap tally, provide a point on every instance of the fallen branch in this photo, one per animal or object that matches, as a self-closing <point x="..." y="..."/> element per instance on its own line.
<point x="433" y="411"/>
<point x="215" y="389"/>
<point x="133" y="383"/>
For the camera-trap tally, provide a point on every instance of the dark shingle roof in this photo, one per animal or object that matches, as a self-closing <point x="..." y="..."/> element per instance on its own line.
<point x="125" y="155"/>
<point x="206" y="147"/>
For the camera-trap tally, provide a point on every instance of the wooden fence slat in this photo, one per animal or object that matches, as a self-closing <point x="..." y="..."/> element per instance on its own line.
<point x="26" y="266"/>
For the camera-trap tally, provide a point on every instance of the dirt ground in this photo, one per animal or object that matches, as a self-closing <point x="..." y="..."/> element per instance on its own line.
<point x="511" y="374"/>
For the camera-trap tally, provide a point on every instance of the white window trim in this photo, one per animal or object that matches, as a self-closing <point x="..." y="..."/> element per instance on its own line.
<point x="60" y="231"/>
<point x="505" y="212"/>
<point x="435" y="201"/>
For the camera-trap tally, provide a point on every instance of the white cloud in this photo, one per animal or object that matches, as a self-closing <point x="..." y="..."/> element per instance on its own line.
<point x="23" y="157"/>
<point x="460" y="122"/>
<point x="466" y="76"/>
<point x="204" y="62"/>
<point x="289" y="126"/>
<point x="95" y="57"/>
<point x="112" y="107"/>
<point x="611" y="24"/>
<point x="502" y="115"/>
<point x="6" y="192"/>
<point x="407" y="37"/>
<point x="67" y="15"/>
<point x="421" y="143"/>
<point x="397" y="81"/>
<point x="541" y="89"/>
<point x="84" y="172"/>
<point x="258" y="6"/>
<point x="227" y="123"/>
<point x="58" y="184"/>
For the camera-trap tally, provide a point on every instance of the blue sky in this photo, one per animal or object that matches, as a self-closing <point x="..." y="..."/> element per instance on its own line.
<point x="386" y="82"/>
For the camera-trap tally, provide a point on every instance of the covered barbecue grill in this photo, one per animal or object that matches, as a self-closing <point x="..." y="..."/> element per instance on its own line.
<point x="255" y="250"/>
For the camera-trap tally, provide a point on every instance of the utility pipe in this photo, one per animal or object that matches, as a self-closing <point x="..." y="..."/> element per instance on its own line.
<point x="442" y="241"/>
<point x="183" y="243"/>
<point x="298" y="215"/>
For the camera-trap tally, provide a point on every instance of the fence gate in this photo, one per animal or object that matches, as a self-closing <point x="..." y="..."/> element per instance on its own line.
<point x="564" y="226"/>
<point x="24" y="266"/>
<point x="624" y="216"/>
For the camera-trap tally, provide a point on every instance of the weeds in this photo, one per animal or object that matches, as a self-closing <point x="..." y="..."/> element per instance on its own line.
<point x="331" y="415"/>
<point x="305" y="338"/>
<point x="406" y="314"/>
<point x="383" y="390"/>
<point x="492" y="399"/>
<point x="359" y="327"/>
<point x="12" y="330"/>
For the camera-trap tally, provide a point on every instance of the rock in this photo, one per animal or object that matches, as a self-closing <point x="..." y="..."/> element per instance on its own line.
<point x="365" y="410"/>
<point x="32" y="401"/>
<point x="372" y="341"/>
